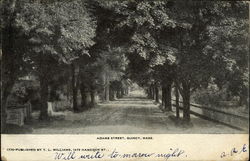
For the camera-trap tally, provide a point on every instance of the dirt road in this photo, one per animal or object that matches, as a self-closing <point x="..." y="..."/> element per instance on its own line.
<point x="133" y="114"/>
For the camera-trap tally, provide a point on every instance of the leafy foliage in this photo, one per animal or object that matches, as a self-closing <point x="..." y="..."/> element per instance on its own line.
<point x="193" y="43"/>
<point x="62" y="29"/>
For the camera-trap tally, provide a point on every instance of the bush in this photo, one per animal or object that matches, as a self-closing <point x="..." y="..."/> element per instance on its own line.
<point x="210" y="96"/>
<point x="24" y="91"/>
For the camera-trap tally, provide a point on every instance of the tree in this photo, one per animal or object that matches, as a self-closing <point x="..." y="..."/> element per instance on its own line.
<point x="109" y="50"/>
<point x="195" y="66"/>
<point x="149" y="20"/>
<point x="230" y="43"/>
<point x="59" y="32"/>
<point x="12" y="52"/>
<point x="177" y="34"/>
<point x="113" y="64"/>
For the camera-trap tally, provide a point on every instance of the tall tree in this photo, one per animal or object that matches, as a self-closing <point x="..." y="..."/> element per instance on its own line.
<point x="195" y="66"/>
<point x="60" y="32"/>
<point x="12" y="52"/>
<point x="177" y="33"/>
<point x="230" y="43"/>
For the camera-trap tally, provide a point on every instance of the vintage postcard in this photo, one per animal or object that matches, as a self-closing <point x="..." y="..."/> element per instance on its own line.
<point x="124" y="80"/>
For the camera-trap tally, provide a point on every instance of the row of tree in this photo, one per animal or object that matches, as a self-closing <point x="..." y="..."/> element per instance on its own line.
<point x="61" y="43"/>
<point x="185" y="44"/>
<point x="98" y="46"/>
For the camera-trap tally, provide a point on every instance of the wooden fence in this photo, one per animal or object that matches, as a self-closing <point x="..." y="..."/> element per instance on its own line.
<point x="18" y="114"/>
<point x="234" y="121"/>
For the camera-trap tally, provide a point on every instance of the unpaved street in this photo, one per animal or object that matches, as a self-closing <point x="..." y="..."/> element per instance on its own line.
<point x="133" y="114"/>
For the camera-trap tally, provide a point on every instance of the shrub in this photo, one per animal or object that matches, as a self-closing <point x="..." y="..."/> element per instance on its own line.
<point x="210" y="96"/>
<point x="23" y="91"/>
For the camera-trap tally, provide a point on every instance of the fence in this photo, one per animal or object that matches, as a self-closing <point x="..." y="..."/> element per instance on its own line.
<point x="238" y="122"/>
<point x="17" y="114"/>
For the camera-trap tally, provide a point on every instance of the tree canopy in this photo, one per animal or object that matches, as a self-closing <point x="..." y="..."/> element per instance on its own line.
<point x="100" y="46"/>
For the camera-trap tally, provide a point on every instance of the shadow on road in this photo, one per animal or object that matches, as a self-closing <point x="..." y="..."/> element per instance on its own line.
<point x="133" y="114"/>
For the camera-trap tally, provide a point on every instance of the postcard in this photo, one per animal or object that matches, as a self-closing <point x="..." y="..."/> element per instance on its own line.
<point x="124" y="80"/>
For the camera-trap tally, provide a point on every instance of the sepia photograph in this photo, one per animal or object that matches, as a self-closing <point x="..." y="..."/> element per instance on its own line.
<point x="154" y="80"/>
<point x="124" y="67"/>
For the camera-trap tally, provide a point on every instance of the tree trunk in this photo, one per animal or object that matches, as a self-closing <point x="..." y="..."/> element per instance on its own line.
<point x="6" y="90"/>
<point x="150" y="92"/>
<point x="186" y="102"/>
<point x="3" y="112"/>
<point x="74" y="88"/>
<point x="165" y="98"/>
<point x="153" y="92"/>
<point x="156" y="94"/>
<point x="44" y="91"/>
<point x="106" y="92"/>
<point x="115" y="94"/>
<point x="177" y="102"/>
<point x="68" y="90"/>
<point x="126" y="91"/>
<point x="122" y="92"/>
<point x="163" y="89"/>
<point x="106" y="87"/>
<point x="52" y="94"/>
<point x="10" y="60"/>
<point x="111" y="94"/>
<point x="92" y="96"/>
<point x="168" y="97"/>
<point x="83" y="96"/>
<point x="241" y="100"/>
